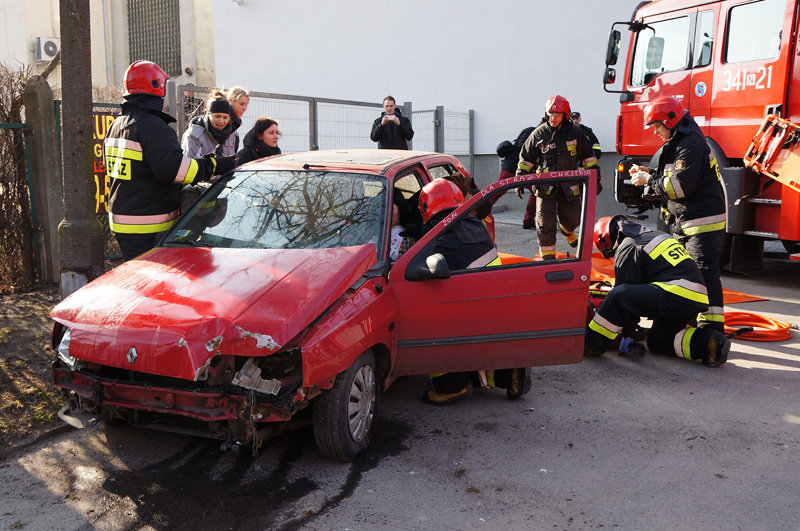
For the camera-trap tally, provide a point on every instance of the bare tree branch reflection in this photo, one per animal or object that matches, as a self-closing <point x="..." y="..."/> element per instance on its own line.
<point x="298" y="209"/>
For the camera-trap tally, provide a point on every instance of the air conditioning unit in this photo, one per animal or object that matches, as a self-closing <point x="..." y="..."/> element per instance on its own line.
<point x="46" y="48"/>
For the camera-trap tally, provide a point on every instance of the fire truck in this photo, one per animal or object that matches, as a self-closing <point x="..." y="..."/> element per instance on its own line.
<point x="733" y="64"/>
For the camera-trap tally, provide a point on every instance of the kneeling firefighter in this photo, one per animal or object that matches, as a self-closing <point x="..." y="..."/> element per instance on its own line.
<point x="655" y="278"/>
<point x="467" y="245"/>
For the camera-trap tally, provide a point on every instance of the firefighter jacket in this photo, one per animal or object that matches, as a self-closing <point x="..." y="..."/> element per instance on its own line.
<point x="592" y="138"/>
<point x="688" y="181"/>
<point x="654" y="257"/>
<point x="147" y="167"/>
<point x="557" y="149"/>
<point x="466" y="245"/>
<point x="510" y="150"/>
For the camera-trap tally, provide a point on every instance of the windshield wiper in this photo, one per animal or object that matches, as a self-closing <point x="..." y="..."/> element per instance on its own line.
<point x="185" y="243"/>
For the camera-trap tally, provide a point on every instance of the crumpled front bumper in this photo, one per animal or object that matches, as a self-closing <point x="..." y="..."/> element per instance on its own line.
<point x="209" y="404"/>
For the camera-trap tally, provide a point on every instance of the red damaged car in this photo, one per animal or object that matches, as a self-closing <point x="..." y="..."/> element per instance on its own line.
<point x="275" y="292"/>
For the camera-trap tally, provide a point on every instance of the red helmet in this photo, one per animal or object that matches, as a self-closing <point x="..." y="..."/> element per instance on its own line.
<point x="557" y="104"/>
<point x="666" y="109"/>
<point x="438" y="195"/>
<point x="145" y="77"/>
<point x="603" y="238"/>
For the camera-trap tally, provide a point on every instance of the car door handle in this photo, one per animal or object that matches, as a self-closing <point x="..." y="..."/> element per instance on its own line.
<point x="559" y="275"/>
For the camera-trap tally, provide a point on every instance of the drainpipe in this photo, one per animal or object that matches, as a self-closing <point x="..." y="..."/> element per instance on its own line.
<point x="106" y="35"/>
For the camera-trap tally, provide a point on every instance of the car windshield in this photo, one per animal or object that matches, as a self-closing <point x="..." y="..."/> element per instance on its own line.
<point x="286" y="210"/>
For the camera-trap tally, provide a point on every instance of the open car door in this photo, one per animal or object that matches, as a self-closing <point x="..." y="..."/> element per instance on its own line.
<point x="522" y="313"/>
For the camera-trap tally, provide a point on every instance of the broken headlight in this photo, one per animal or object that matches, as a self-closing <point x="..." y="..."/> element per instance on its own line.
<point x="62" y="350"/>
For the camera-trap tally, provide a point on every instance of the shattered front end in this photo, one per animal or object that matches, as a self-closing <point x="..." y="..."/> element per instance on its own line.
<point x="240" y="400"/>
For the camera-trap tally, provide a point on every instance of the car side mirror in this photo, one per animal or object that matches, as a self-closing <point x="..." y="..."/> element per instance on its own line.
<point x="609" y="76"/>
<point x="435" y="267"/>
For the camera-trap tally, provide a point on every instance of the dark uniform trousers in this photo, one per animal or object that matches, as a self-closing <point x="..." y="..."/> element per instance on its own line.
<point x="552" y="211"/>
<point x="670" y="314"/>
<point x="706" y="249"/>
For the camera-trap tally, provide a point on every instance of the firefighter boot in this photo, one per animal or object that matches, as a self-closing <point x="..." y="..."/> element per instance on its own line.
<point x="718" y="348"/>
<point x="435" y="398"/>
<point x="520" y="383"/>
<point x="572" y="239"/>
<point x="703" y="344"/>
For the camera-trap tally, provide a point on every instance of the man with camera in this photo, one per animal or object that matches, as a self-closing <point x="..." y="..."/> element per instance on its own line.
<point x="391" y="130"/>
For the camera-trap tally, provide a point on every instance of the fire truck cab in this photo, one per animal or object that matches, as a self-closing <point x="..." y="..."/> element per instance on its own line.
<point x="731" y="63"/>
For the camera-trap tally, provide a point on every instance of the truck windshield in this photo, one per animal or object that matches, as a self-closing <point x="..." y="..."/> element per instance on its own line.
<point x="286" y="210"/>
<point x="665" y="48"/>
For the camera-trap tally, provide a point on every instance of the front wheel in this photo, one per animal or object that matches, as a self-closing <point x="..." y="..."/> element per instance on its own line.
<point x="344" y="414"/>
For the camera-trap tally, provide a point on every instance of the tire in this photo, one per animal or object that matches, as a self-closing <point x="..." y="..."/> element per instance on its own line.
<point x="344" y="415"/>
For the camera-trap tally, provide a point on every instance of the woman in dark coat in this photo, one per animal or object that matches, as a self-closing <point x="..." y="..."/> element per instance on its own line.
<point x="261" y="141"/>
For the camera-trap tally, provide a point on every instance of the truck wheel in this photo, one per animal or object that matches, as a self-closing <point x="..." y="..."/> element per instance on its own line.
<point x="344" y="415"/>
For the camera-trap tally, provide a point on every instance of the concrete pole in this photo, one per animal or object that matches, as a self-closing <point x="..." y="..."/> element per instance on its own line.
<point x="408" y="111"/>
<point x="45" y="175"/>
<point x="438" y="130"/>
<point x="80" y="233"/>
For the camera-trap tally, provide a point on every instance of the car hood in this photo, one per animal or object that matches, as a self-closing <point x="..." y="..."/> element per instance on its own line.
<point x="178" y="307"/>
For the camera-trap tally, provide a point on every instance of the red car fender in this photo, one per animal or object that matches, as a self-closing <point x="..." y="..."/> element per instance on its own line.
<point x="358" y="321"/>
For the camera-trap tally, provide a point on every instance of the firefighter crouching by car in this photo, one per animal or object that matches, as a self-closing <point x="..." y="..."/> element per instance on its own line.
<point x="556" y="145"/>
<point x="655" y="278"/>
<point x="147" y="166"/>
<point x="688" y="181"/>
<point x="466" y="245"/>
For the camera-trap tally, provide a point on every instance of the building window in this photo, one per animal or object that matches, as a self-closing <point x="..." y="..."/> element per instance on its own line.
<point x="154" y="33"/>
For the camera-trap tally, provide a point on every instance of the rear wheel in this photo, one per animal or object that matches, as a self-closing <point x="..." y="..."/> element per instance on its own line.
<point x="344" y="414"/>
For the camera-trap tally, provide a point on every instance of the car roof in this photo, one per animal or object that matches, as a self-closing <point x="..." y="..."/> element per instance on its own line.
<point x="369" y="160"/>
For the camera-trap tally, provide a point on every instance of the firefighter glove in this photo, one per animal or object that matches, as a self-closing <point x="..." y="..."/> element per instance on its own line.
<point x="226" y="164"/>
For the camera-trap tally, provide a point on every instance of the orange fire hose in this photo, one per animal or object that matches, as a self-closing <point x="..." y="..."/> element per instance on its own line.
<point x="742" y="325"/>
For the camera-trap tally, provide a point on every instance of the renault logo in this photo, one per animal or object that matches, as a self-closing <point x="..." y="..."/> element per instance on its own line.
<point x="132" y="355"/>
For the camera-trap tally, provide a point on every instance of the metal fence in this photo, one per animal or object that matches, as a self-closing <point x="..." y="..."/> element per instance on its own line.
<point x="310" y="123"/>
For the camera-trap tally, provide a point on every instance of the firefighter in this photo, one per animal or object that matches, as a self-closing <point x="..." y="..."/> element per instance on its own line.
<point x="556" y="145"/>
<point x="146" y="164"/>
<point x="688" y="181"/>
<point x="655" y="278"/>
<point x="466" y="245"/>
<point x="575" y="118"/>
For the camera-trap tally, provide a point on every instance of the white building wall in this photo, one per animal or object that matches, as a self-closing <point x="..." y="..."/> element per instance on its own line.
<point x="502" y="58"/>
<point x="13" y="44"/>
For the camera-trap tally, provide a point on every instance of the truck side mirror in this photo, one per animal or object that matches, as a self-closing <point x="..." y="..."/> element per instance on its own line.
<point x="612" y="50"/>
<point x="609" y="76"/>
